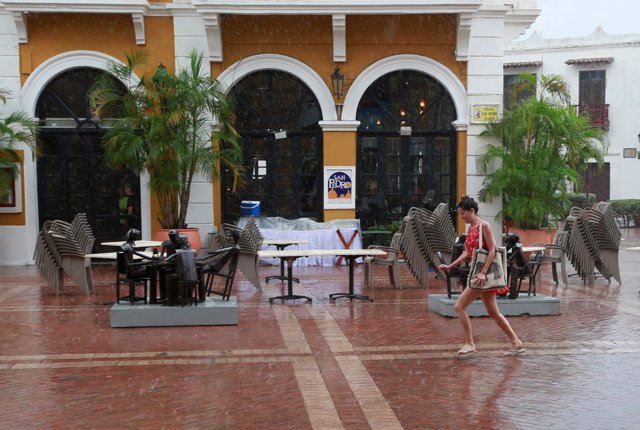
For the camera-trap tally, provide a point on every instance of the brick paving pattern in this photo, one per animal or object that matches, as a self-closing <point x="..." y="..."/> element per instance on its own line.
<point x="390" y="364"/>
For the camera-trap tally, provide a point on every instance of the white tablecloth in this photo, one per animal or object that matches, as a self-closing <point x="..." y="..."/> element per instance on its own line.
<point x="318" y="239"/>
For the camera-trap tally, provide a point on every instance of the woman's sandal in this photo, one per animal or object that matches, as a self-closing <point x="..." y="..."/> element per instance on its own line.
<point x="466" y="349"/>
<point x="516" y="351"/>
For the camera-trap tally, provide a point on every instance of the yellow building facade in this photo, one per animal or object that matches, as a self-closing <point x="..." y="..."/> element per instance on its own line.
<point x="456" y="47"/>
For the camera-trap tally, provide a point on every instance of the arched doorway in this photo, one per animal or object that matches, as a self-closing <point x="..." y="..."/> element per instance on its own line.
<point x="72" y="174"/>
<point x="406" y="148"/>
<point x="277" y="116"/>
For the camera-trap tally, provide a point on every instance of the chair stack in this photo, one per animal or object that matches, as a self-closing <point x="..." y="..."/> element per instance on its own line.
<point x="604" y="242"/>
<point x="250" y="243"/>
<point x="62" y="247"/>
<point x="414" y="248"/>
<point x="593" y="242"/>
<point x="426" y="233"/>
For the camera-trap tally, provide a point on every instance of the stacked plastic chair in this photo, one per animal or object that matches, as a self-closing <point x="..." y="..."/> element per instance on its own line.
<point x="604" y="242"/>
<point x="593" y="242"/>
<point x="425" y="234"/>
<point x="61" y="248"/>
<point x="47" y="263"/>
<point x="577" y="248"/>
<point x="414" y="249"/>
<point x="250" y="243"/>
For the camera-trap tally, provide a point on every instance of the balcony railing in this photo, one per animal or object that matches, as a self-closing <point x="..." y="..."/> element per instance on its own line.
<point x="599" y="115"/>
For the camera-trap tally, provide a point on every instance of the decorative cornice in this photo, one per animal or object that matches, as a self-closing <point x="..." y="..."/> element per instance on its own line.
<point x="76" y="6"/>
<point x="138" y="26"/>
<point x="331" y="7"/>
<point x="339" y="125"/>
<point x="463" y="34"/>
<point x="460" y="125"/>
<point x="21" y="8"/>
<point x="214" y="36"/>
<point x="599" y="38"/>
<point x="339" y="38"/>
<point x="20" y="20"/>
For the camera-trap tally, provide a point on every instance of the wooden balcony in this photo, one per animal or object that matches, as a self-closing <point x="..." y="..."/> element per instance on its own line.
<point x="599" y="115"/>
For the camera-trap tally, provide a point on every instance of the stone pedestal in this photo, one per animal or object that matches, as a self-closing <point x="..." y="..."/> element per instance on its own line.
<point x="213" y="311"/>
<point x="523" y="305"/>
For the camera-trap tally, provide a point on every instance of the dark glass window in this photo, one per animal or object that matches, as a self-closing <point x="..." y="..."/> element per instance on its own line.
<point x="72" y="174"/>
<point x="592" y="87"/>
<point x="396" y="169"/>
<point x="277" y="116"/>
<point x="514" y="93"/>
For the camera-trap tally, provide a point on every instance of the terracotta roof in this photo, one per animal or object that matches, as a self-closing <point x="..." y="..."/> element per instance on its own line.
<point x="598" y="60"/>
<point x="522" y="64"/>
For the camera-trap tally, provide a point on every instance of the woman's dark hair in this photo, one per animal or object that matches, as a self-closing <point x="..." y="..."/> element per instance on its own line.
<point x="467" y="203"/>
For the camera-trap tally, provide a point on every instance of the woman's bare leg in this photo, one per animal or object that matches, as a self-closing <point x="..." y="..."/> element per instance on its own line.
<point x="491" y="305"/>
<point x="466" y="298"/>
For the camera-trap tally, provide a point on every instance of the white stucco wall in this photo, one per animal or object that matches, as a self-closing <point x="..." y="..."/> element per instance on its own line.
<point x="17" y="242"/>
<point x="622" y="81"/>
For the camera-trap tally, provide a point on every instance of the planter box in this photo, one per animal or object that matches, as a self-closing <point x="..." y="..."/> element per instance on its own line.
<point x="529" y="237"/>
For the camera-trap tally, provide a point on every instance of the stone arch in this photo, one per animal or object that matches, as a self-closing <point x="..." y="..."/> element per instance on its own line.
<point x="286" y="64"/>
<point x="58" y="64"/>
<point x="406" y="62"/>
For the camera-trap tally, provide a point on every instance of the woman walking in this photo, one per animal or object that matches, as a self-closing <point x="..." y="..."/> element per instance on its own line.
<point x="468" y="210"/>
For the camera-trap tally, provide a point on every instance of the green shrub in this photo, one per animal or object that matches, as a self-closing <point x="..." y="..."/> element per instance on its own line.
<point x="380" y="239"/>
<point x="627" y="209"/>
<point x="582" y="200"/>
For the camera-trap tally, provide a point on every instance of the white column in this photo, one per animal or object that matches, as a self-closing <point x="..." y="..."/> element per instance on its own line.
<point x="18" y="242"/>
<point x="485" y="87"/>
<point x="190" y="34"/>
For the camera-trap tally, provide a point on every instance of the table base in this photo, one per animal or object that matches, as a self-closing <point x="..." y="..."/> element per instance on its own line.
<point x="350" y="296"/>
<point x="289" y="297"/>
<point x="281" y="277"/>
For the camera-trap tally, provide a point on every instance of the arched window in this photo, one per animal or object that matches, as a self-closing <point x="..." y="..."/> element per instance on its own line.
<point x="72" y="174"/>
<point x="277" y="116"/>
<point x="406" y="147"/>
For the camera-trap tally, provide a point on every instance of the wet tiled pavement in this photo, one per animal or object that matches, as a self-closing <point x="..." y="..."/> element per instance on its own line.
<point x="389" y="364"/>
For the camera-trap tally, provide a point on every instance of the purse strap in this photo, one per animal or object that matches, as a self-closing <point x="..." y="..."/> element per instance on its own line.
<point x="480" y="242"/>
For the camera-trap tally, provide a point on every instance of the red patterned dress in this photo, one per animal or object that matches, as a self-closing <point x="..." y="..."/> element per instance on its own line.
<point x="471" y="243"/>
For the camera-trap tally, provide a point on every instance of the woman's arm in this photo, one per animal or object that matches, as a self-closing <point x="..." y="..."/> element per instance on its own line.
<point x="464" y="256"/>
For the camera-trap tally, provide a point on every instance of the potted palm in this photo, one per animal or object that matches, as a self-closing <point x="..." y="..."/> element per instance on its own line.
<point x="544" y="145"/>
<point x="16" y="128"/>
<point x="163" y="126"/>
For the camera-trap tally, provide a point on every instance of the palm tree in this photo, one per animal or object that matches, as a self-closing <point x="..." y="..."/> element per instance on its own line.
<point x="545" y="144"/>
<point x="163" y="127"/>
<point x="17" y="128"/>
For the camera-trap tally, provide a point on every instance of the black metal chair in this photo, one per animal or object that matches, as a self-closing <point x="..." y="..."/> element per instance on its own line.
<point x="131" y="274"/>
<point x="222" y="263"/>
<point x="527" y="270"/>
<point x="456" y="275"/>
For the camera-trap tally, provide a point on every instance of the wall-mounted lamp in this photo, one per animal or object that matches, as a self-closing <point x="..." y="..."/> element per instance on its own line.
<point x="638" y="137"/>
<point x="337" y="84"/>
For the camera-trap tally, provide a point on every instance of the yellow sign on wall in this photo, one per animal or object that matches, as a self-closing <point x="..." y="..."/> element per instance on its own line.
<point x="484" y="113"/>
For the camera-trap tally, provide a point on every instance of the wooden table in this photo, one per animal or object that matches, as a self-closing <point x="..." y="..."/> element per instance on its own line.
<point x="292" y="254"/>
<point x="281" y="244"/>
